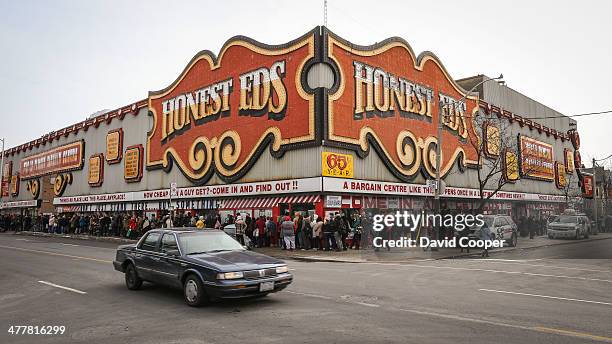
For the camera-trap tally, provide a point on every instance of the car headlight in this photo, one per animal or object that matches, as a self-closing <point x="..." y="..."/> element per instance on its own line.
<point x="230" y="275"/>
<point x="282" y="269"/>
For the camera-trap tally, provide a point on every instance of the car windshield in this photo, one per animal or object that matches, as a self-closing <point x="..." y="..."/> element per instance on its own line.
<point x="566" y="219"/>
<point x="192" y="243"/>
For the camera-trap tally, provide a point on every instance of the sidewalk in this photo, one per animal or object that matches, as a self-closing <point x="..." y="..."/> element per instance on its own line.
<point x="116" y="240"/>
<point x="396" y="255"/>
<point x="399" y="255"/>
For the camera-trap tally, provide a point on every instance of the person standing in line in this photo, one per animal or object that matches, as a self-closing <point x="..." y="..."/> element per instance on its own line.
<point x="317" y="234"/>
<point x="298" y="223"/>
<point x="287" y="227"/>
<point x="357" y="231"/>
<point x="328" y="231"/>
<point x="51" y="227"/>
<point x="240" y="229"/>
<point x="260" y="230"/>
<point x="306" y="233"/>
<point x="271" y="232"/>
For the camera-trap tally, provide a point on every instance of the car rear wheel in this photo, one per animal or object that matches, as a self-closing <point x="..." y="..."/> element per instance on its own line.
<point x="513" y="240"/>
<point x="132" y="281"/>
<point x="193" y="291"/>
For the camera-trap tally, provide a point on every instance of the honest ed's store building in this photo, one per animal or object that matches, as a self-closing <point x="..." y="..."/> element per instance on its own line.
<point x="315" y="124"/>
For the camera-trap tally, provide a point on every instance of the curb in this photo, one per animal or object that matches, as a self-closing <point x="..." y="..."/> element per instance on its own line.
<point x="454" y="256"/>
<point x="77" y="237"/>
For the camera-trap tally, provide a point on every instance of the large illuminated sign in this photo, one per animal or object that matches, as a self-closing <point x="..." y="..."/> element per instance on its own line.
<point x="389" y="99"/>
<point x="223" y="111"/>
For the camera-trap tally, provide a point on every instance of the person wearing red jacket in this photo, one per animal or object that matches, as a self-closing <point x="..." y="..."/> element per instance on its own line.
<point x="260" y="227"/>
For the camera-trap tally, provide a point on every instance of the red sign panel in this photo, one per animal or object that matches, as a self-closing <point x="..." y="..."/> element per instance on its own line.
<point x="587" y="186"/>
<point x="63" y="158"/>
<point x="391" y="99"/>
<point x="537" y="160"/>
<point x="222" y="112"/>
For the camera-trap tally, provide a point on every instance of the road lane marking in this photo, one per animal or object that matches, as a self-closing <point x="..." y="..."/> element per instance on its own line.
<point x="367" y="304"/>
<point x="573" y="333"/>
<point x="62" y="287"/>
<point x="546" y="296"/>
<point x="70" y="244"/>
<point x="545" y="266"/>
<point x="309" y="295"/>
<point x="56" y="254"/>
<point x="22" y="239"/>
<point x="496" y="271"/>
<point x="540" y="329"/>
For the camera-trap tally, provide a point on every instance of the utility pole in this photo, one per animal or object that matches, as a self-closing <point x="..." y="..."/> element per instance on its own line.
<point x="325" y="13"/>
<point x="595" y="196"/>
<point x="1" y="169"/>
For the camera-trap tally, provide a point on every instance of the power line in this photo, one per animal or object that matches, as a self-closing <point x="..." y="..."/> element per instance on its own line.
<point x="606" y="158"/>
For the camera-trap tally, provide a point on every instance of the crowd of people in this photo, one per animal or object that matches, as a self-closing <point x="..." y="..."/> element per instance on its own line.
<point x="300" y="231"/>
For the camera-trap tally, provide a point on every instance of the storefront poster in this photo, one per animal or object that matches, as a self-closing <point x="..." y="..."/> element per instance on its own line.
<point x="536" y="159"/>
<point x="388" y="99"/>
<point x="15" y="185"/>
<point x="492" y="142"/>
<point x="337" y="165"/>
<point x="114" y="146"/>
<point x="223" y="111"/>
<point x="64" y="158"/>
<point x="96" y="170"/>
<point x="568" y="156"/>
<point x="132" y="168"/>
<point x="4" y="188"/>
<point x="560" y="179"/>
<point x="7" y="172"/>
<point x="587" y="185"/>
<point x="510" y="166"/>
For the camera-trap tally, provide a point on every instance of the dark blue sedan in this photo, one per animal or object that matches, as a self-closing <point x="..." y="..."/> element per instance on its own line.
<point x="207" y="264"/>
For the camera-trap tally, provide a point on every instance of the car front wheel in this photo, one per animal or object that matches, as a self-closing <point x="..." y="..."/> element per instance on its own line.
<point x="193" y="291"/>
<point x="132" y="281"/>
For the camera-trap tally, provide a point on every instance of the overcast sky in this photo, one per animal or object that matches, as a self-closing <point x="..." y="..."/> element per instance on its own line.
<point x="64" y="60"/>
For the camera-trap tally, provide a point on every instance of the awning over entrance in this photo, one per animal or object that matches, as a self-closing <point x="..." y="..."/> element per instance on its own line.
<point x="267" y="202"/>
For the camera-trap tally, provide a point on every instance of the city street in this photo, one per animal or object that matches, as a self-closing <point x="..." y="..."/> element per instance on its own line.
<point x="520" y="296"/>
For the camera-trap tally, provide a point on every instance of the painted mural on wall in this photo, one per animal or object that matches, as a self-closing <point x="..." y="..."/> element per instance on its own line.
<point x="223" y="111"/>
<point x="390" y="99"/>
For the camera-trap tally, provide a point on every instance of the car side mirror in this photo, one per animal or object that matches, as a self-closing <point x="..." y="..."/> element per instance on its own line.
<point x="173" y="253"/>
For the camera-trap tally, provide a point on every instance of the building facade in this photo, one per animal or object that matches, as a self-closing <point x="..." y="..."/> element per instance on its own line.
<point x="317" y="124"/>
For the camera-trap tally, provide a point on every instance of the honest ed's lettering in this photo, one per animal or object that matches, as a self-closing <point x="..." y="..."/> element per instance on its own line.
<point x="261" y="91"/>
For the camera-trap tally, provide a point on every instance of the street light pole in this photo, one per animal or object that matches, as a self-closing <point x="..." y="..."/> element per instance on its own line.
<point x="1" y="169"/>
<point x="439" y="143"/>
